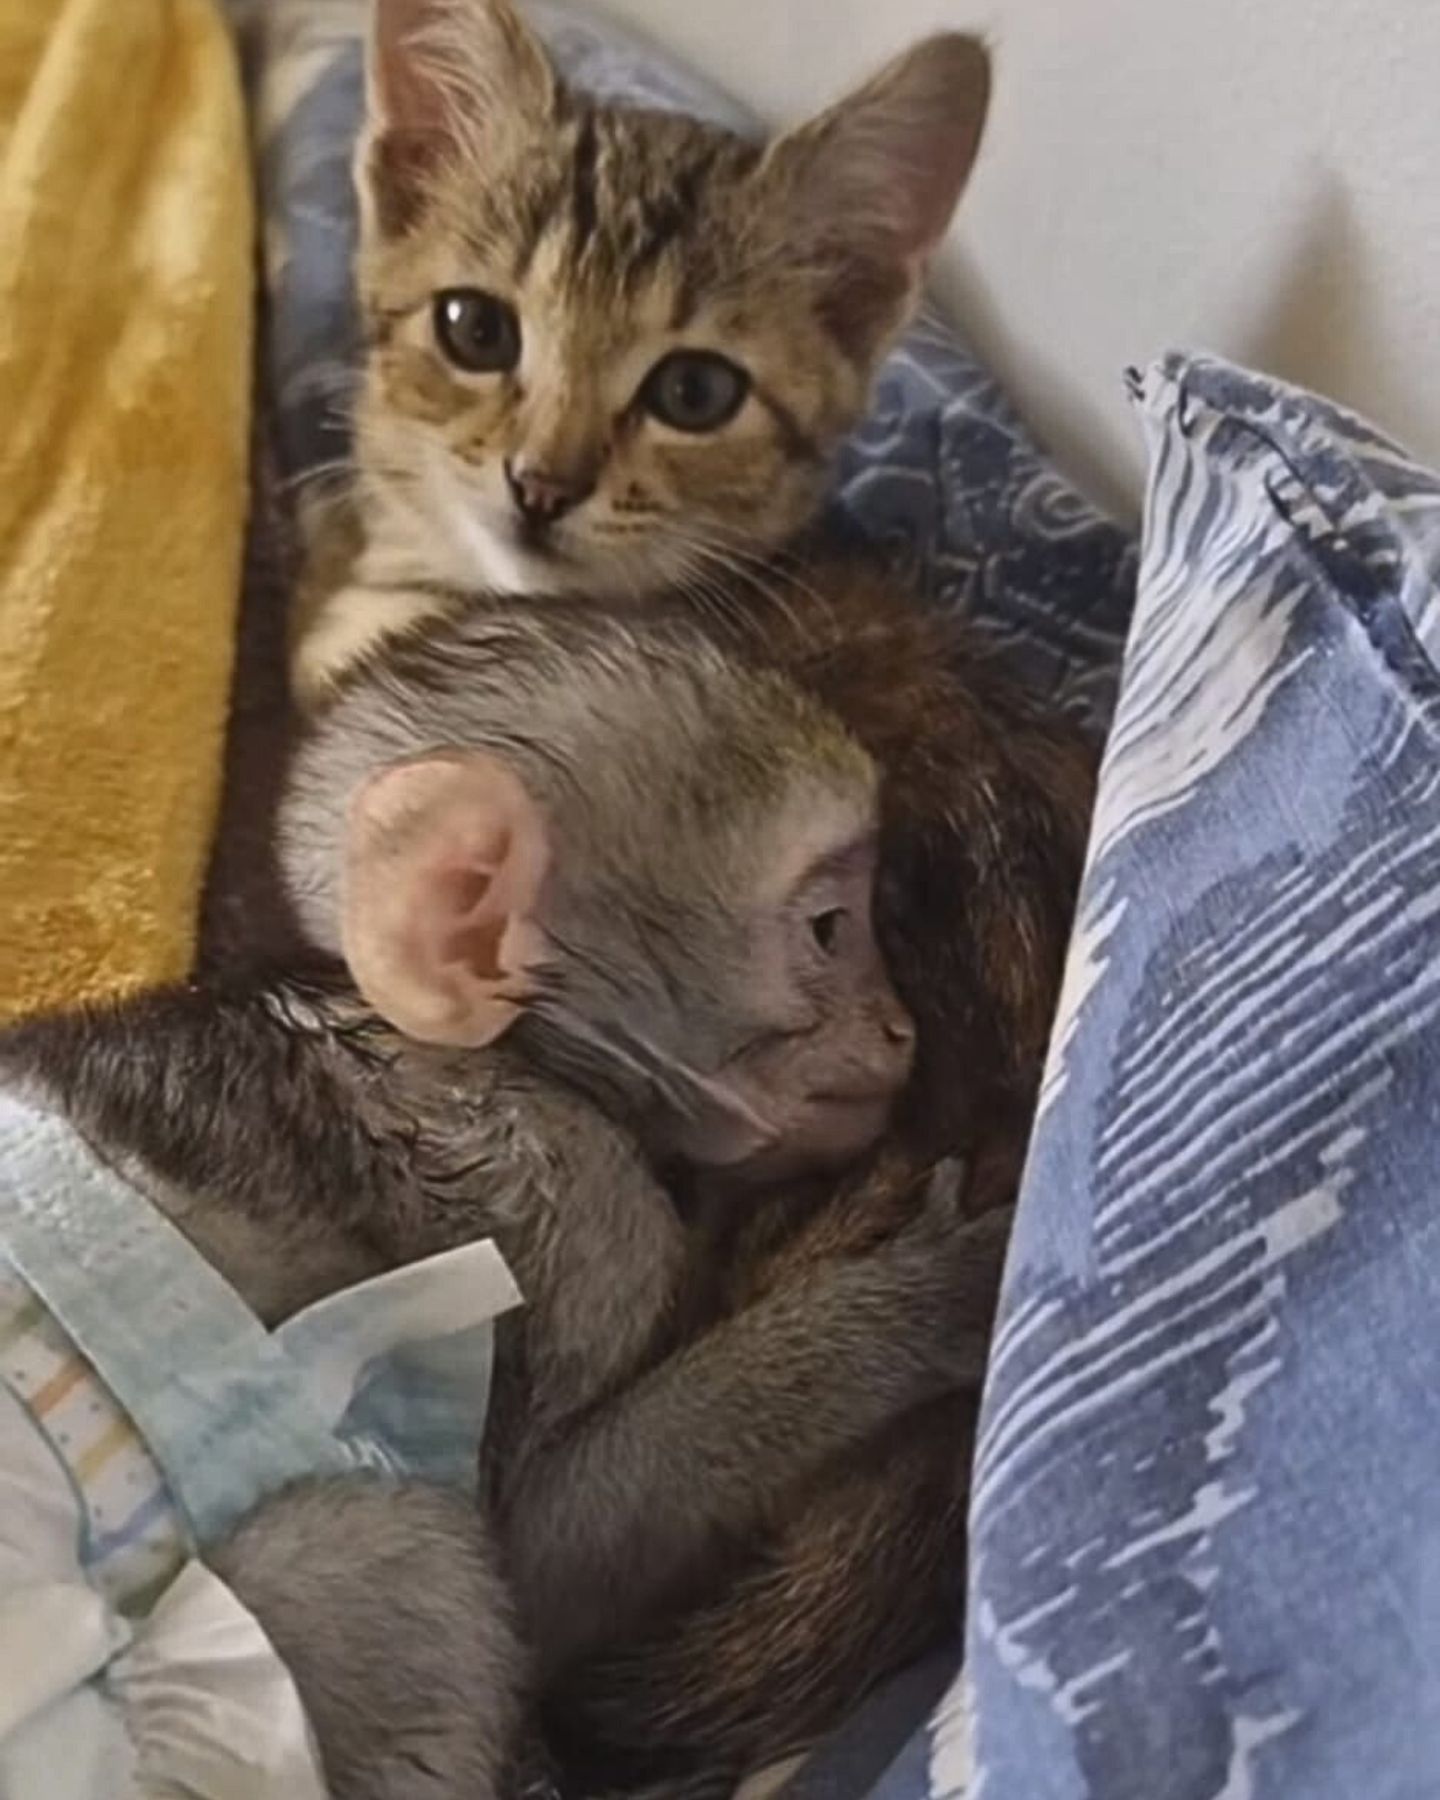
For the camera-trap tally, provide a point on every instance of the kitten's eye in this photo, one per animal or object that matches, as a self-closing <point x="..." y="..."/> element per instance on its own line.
<point x="825" y="928"/>
<point x="695" y="390"/>
<point x="476" y="331"/>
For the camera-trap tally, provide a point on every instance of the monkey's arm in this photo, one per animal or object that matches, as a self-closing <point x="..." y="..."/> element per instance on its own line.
<point x="221" y="1103"/>
<point x="608" y="1518"/>
<point x="866" y="1574"/>
<point x="386" y="1605"/>
<point x="593" y="1240"/>
<point x="869" y="1207"/>
<point x="863" y="1572"/>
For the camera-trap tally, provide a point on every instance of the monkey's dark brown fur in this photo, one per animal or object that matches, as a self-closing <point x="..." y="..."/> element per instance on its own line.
<point x="985" y="805"/>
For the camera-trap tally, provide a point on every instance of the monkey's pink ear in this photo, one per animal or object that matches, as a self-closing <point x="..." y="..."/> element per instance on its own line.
<point x="438" y="72"/>
<point x="871" y="184"/>
<point x="444" y="862"/>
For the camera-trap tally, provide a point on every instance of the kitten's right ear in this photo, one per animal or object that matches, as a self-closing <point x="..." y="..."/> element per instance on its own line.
<point x="438" y="73"/>
<point x="444" y="862"/>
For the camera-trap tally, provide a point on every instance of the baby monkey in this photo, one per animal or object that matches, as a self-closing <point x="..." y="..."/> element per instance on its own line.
<point x="594" y="924"/>
<point x="756" y="1639"/>
<point x="983" y="808"/>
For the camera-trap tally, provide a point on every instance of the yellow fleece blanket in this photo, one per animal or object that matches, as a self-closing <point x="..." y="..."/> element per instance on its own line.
<point x="125" y="319"/>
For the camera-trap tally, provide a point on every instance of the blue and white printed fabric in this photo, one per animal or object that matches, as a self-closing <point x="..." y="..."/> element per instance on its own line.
<point x="1206" y="1515"/>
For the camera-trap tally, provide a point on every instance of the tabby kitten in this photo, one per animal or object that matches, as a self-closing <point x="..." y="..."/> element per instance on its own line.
<point x="611" y="350"/>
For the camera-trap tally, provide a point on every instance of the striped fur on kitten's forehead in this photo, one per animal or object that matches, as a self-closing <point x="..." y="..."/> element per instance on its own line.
<point x="560" y="292"/>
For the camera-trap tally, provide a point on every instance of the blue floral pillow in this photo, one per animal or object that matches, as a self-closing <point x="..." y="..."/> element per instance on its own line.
<point x="1205" y="1529"/>
<point x="942" y="476"/>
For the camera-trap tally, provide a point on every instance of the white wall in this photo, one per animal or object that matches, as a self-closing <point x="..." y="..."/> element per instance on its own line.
<point x="1256" y="177"/>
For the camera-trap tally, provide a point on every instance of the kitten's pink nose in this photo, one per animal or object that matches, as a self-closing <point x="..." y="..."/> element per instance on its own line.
<point x="542" y="497"/>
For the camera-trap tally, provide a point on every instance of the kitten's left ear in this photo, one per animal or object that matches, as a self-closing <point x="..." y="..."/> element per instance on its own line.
<point x="871" y="184"/>
<point x="441" y="74"/>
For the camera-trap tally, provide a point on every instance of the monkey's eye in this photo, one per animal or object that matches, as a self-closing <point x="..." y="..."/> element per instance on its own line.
<point x="694" y="390"/>
<point x="478" y="332"/>
<point x="825" y="928"/>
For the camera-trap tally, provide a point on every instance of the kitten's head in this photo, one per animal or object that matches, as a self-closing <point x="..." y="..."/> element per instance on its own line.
<point x="613" y="350"/>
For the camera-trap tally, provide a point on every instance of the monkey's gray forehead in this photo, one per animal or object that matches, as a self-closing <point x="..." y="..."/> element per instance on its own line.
<point x="655" y="755"/>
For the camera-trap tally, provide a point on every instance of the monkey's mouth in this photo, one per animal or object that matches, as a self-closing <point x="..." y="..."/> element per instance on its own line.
<point x="846" y="1121"/>
<point x="797" y="1154"/>
<point x="868" y="1093"/>
<point x="826" y="1131"/>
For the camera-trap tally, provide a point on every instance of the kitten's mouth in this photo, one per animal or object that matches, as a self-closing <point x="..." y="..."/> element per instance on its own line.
<point x="535" y="557"/>
<point x="538" y="541"/>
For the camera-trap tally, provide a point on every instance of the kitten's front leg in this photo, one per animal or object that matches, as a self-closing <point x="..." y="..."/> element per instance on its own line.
<point x="347" y="626"/>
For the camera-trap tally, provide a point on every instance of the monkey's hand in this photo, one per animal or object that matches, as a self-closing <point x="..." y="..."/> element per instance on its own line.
<point x="384" y="1601"/>
<point x="895" y="1189"/>
<point x="947" y="1264"/>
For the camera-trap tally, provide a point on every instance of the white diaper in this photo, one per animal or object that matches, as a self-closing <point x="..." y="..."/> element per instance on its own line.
<point x="127" y="1670"/>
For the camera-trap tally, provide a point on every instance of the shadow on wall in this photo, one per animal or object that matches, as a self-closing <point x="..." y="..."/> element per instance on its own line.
<point x="1321" y="324"/>
<point x="1328" y="325"/>
<point x="1080" y="435"/>
<point x="1322" y="327"/>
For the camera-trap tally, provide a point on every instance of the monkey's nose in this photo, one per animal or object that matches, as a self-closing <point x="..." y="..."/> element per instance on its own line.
<point x="542" y="497"/>
<point x="895" y="1052"/>
<point x="898" y="1026"/>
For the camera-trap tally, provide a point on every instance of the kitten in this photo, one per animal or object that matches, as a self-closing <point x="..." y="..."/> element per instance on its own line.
<point x="611" y="351"/>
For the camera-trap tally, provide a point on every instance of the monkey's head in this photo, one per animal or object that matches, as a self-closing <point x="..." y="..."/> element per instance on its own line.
<point x="654" y="880"/>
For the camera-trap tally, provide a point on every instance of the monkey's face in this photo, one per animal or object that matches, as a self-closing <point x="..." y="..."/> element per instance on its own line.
<point x="752" y="1003"/>
<point x="715" y="974"/>
<point x="813" y="1044"/>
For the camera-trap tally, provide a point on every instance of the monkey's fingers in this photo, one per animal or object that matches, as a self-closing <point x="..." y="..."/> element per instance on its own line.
<point x="867" y="1207"/>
